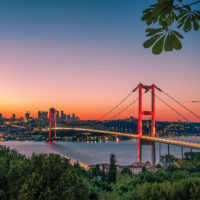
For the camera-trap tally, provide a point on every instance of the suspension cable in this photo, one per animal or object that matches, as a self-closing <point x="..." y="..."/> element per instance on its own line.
<point x="180" y="104"/>
<point x="125" y="108"/>
<point x="171" y="107"/>
<point x="115" y="107"/>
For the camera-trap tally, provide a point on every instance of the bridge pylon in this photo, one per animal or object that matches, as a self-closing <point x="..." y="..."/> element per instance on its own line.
<point x="52" y="118"/>
<point x="152" y="114"/>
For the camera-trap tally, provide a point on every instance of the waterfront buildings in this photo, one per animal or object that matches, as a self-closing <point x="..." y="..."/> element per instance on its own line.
<point x="135" y="168"/>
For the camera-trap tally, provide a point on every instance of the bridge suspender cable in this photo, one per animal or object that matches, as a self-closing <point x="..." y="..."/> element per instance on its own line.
<point x="115" y="107"/>
<point x="181" y="104"/>
<point x="125" y="108"/>
<point x="171" y="108"/>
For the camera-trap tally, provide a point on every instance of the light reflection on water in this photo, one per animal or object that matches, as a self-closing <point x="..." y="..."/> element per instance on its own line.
<point x="92" y="152"/>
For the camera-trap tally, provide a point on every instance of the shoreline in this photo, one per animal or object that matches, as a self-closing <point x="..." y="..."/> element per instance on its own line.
<point x="72" y="161"/>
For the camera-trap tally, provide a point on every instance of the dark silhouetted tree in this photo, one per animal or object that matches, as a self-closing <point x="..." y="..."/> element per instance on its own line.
<point x="113" y="169"/>
<point x="103" y="175"/>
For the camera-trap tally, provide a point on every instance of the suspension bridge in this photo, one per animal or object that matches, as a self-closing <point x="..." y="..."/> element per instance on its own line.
<point x="142" y="139"/>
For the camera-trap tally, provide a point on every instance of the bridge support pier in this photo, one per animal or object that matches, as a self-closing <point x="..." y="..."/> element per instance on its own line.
<point x="168" y="149"/>
<point x="191" y="149"/>
<point x="139" y="150"/>
<point x="153" y="154"/>
<point x="153" y="150"/>
<point x="182" y="152"/>
<point x="159" y="151"/>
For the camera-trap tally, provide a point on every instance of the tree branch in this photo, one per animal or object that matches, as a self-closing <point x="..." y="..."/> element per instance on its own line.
<point x="194" y="3"/>
<point x="188" y="5"/>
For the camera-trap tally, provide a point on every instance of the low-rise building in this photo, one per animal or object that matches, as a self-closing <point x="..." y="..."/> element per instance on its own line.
<point x="151" y="169"/>
<point x="135" y="169"/>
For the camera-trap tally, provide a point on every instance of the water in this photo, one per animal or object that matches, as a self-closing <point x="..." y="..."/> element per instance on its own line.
<point x="98" y="152"/>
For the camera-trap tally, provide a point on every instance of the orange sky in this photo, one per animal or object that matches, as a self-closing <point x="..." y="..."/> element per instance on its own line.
<point x="86" y="58"/>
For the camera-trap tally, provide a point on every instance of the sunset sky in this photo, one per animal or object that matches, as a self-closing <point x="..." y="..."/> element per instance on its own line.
<point x="84" y="57"/>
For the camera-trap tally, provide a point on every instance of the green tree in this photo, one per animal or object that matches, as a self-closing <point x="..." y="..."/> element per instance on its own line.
<point x="171" y="168"/>
<point x="39" y="177"/>
<point x="126" y="170"/>
<point x="158" y="166"/>
<point x="165" y="13"/>
<point x="103" y="175"/>
<point x="144" y="169"/>
<point x="112" y="169"/>
<point x="98" y="170"/>
<point x="170" y="158"/>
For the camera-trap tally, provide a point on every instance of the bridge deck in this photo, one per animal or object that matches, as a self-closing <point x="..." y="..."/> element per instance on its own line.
<point x="154" y="139"/>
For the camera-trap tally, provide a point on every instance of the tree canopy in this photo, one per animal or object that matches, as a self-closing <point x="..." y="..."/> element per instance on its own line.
<point x="165" y="13"/>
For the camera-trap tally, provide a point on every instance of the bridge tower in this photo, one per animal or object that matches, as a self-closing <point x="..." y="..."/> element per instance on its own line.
<point x="52" y="122"/>
<point x="152" y="114"/>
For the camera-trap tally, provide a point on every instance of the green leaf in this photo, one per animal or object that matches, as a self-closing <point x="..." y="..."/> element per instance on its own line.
<point x="155" y="19"/>
<point x="158" y="46"/>
<point x="149" y="20"/>
<point x="153" y="31"/>
<point x="197" y="11"/>
<point x="177" y="34"/>
<point x="150" y="30"/>
<point x="188" y="7"/>
<point x="163" y="23"/>
<point x="174" y="16"/>
<point x="188" y="24"/>
<point x="181" y="22"/>
<point x="195" y="23"/>
<point x="147" y="10"/>
<point x="197" y="16"/>
<point x="168" y="43"/>
<point x="146" y="16"/>
<point x="182" y="13"/>
<point x="151" y="41"/>
<point x="164" y="5"/>
<point x="175" y="42"/>
<point x="169" y="19"/>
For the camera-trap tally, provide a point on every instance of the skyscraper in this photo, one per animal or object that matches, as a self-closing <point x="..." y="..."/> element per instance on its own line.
<point x="0" y="115"/>
<point x="39" y="114"/>
<point x="57" y="116"/>
<point x="46" y="115"/>
<point x="13" y="117"/>
<point x="62" y="114"/>
<point x="27" y="115"/>
<point x="68" y="118"/>
<point x="73" y="117"/>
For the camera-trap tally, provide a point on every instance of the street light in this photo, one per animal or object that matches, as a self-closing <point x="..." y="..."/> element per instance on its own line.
<point x="195" y="101"/>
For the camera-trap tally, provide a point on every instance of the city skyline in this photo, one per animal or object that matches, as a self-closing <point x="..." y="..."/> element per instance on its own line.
<point x="90" y="68"/>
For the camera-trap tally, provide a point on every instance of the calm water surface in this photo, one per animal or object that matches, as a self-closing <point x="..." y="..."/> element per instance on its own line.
<point x="98" y="152"/>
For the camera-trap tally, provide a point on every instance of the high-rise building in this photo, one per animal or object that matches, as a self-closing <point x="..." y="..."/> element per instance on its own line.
<point x="0" y="115"/>
<point x="39" y="114"/>
<point x="62" y="116"/>
<point x="77" y="118"/>
<point x="57" y="116"/>
<point x="27" y="115"/>
<point x="46" y="115"/>
<point x="73" y="117"/>
<point x="68" y="118"/>
<point x="13" y="117"/>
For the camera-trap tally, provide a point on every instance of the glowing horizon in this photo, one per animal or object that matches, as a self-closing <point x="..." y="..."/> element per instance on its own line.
<point x="85" y="57"/>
